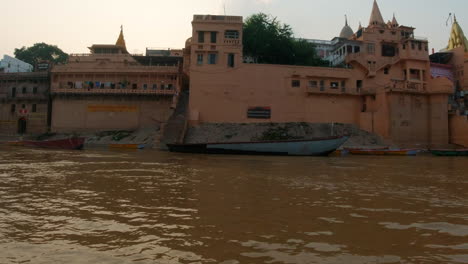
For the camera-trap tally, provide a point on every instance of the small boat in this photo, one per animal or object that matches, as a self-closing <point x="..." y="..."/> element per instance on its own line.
<point x="14" y="143"/>
<point x="311" y="147"/>
<point x="127" y="146"/>
<point x="384" y="151"/>
<point x="450" y="152"/>
<point x="69" y="143"/>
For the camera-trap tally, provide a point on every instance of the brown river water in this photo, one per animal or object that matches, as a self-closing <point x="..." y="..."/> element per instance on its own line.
<point x="98" y="206"/>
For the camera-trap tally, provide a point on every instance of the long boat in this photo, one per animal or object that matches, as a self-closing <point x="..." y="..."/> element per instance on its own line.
<point x="310" y="147"/>
<point x="450" y="152"/>
<point x="69" y="143"/>
<point x="383" y="151"/>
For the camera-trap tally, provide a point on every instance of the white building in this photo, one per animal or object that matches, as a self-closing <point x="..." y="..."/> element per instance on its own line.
<point x="10" y="64"/>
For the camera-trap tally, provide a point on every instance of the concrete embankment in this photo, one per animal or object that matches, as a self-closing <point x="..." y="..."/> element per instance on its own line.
<point x="286" y="131"/>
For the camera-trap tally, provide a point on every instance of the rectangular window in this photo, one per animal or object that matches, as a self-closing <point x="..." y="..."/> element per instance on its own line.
<point x="13" y="92"/>
<point x="200" y="59"/>
<point x="213" y="37"/>
<point x="322" y="85"/>
<point x="296" y="83"/>
<point x="259" y="112"/>
<point x="385" y="70"/>
<point x="371" y="48"/>
<point x="13" y="108"/>
<point x="34" y="108"/>
<point x="155" y="86"/>
<point x="163" y="86"/>
<point x="212" y="58"/>
<point x="231" y="34"/>
<point x="201" y="36"/>
<point x="145" y="86"/>
<point x="358" y="85"/>
<point x="230" y="60"/>
<point x="169" y="86"/>
<point x="25" y="90"/>
<point x="134" y="86"/>
<point x="404" y="46"/>
<point x="388" y="50"/>
<point x="334" y="85"/>
<point x="313" y="84"/>
<point x="35" y="90"/>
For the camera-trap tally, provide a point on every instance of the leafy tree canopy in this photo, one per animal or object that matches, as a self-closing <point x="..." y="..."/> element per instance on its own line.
<point x="41" y="52"/>
<point x="269" y="41"/>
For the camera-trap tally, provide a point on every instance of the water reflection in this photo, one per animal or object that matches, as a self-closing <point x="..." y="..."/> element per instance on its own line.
<point x="156" y="207"/>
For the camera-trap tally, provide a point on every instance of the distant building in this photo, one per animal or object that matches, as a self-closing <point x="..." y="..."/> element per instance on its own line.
<point x="110" y="89"/>
<point x="9" y="64"/>
<point x="24" y="103"/>
<point x="164" y="52"/>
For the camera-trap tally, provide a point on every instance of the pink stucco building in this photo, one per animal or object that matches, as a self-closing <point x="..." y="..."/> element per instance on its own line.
<point x="386" y="86"/>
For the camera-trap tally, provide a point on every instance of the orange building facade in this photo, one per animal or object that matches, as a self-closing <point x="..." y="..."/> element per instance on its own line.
<point x="384" y="86"/>
<point x="110" y="89"/>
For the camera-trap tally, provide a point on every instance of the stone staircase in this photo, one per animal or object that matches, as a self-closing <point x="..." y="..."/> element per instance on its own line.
<point x="174" y="130"/>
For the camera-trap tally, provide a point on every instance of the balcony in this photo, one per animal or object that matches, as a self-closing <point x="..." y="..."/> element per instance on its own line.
<point x="235" y="42"/>
<point x="331" y="90"/>
<point x="407" y="87"/>
<point x="113" y="91"/>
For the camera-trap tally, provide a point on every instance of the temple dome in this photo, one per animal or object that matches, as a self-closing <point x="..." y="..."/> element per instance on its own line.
<point x="347" y="31"/>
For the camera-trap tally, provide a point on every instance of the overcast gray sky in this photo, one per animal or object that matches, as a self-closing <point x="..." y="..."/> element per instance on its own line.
<point x="74" y="25"/>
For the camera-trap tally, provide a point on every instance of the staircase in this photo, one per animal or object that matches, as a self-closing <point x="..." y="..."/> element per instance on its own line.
<point x="174" y="130"/>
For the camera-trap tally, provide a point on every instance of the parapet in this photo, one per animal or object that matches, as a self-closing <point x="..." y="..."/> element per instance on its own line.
<point x="217" y="19"/>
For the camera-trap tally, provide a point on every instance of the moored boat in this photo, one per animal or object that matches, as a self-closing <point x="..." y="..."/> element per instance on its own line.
<point x="127" y="146"/>
<point x="69" y="143"/>
<point x="383" y="151"/>
<point x="310" y="147"/>
<point x="450" y="152"/>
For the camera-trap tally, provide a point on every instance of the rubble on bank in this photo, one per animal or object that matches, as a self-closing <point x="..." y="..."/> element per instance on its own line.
<point x="281" y="131"/>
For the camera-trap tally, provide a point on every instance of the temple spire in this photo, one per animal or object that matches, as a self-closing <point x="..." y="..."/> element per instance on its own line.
<point x="394" y="21"/>
<point x="121" y="40"/>
<point x="457" y="37"/>
<point x="376" y="18"/>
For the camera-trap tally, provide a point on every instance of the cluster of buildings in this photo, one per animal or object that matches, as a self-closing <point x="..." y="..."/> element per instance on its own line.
<point x="382" y="80"/>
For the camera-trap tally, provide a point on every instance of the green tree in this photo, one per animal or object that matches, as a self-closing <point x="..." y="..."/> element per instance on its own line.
<point x="41" y="52"/>
<point x="269" y="41"/>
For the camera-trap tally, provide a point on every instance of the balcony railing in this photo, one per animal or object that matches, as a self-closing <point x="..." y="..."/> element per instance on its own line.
<point x="330" y="90"/>
<point x="114" y="91"/>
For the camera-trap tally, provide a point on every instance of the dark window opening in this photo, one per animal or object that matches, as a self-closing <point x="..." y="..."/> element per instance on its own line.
<point x="296" y="83"/>
<point x="13" y="108"/>
<point x="230" y="61"/>
<point x="212" y="58"/>
<point x="349" y="49"/>
<point x="23" y="106"/>
<point x="34" y="90"/>
<point x="404" y="46"/>
<point x="359" y="85"/>
<point x="201" y="36"/>
<point x="213" y="37"/>
<point x="13" y="92"/>
<point x="259" y="112"/>
<point x="313" y="84"/>
<point x="24" y="90"/>
<point x="385" y="70"/>
<point x="334" y="85"/>
<point x="357" y="49"/>
<point x="34" y="108"/>
<point x="134" y="86"/>
<point x="388" y="50"/>
<point x="419" y="46"/>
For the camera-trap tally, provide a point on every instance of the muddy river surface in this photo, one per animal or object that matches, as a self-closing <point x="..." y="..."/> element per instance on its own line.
<point x="98" y="206"/>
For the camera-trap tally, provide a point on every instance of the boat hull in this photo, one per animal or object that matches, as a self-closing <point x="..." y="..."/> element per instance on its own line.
<point x="127" y="146"/>
<point x="70" y="143"/>
<point x="385" y="152"/>
<point x="315" y="147"/>
<point x="450" y="153"/>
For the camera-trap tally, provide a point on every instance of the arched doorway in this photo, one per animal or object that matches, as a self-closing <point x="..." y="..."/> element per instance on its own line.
<point x="22" y="125"/>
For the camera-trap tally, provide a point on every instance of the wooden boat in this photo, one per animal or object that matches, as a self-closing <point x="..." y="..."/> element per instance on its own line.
<point x="450" y="152"/>
<point x="383" y="151"/>
<point x="69" y="143"/>
<point x="311" y="147"/>
<point x="127" y="146"/>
